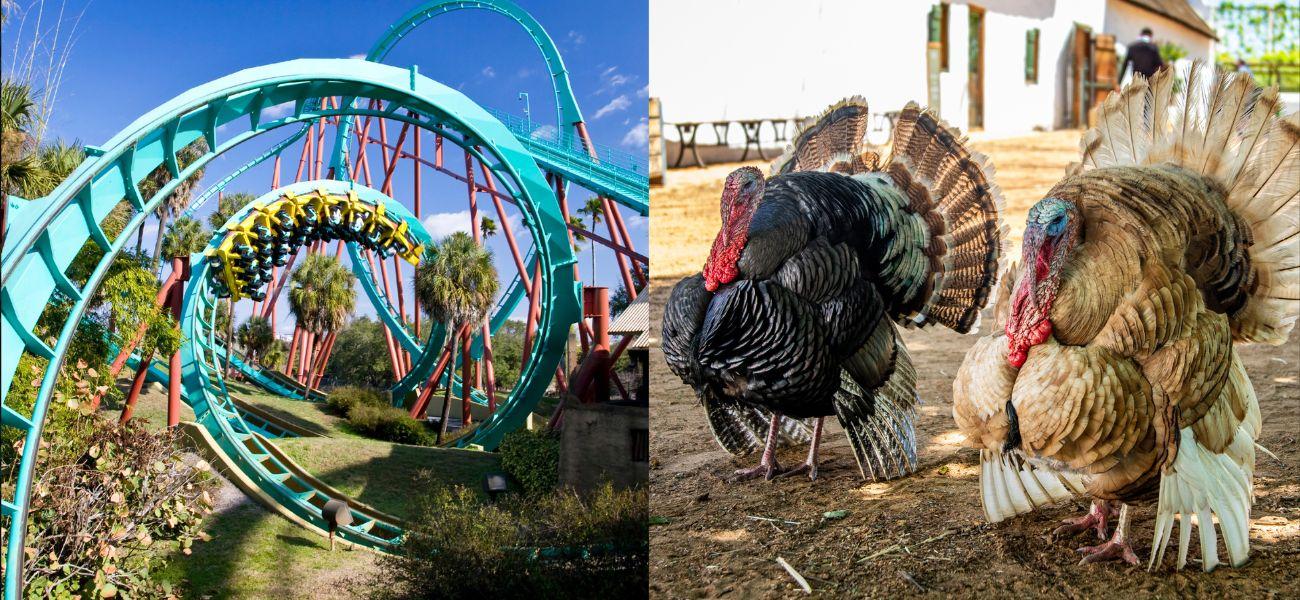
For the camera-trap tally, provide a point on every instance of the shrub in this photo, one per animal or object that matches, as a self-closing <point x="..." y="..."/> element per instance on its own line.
<point x="389" y="424"/>
<point x="533" y="459"/>
<point x="95" y="518"/>
<point x="555" y="546"/>
<point x="343" y="399"/>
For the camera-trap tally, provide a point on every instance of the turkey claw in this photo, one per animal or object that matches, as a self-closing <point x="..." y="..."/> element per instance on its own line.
<point x="1112" y="550"/>
<point x="766" y="471"/>
<point x="805" y="467"/>
<point x="1095" y="520"/>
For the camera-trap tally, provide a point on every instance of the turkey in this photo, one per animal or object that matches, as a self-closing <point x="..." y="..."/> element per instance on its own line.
<point x="793" y="317"/>
<point x="1114" y="372"/>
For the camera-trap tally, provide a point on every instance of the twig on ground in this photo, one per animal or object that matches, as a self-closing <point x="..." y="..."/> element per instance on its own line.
<point x="771" y="520"/>
<point x="911" y="580"/>
<point x="908" y="549"/>
<point x="803" y="583"/>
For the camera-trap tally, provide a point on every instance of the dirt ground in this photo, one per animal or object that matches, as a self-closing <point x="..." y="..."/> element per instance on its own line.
<point x="923" y="535"/>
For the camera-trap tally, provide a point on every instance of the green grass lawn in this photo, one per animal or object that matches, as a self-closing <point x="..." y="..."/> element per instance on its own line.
<point x="314" y="416"/>
<point x="254" y="553"/>
<point x="383" y="474"/>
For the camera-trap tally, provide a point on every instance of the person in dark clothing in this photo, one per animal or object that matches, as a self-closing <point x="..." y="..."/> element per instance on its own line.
<point x="1144" y="55"/>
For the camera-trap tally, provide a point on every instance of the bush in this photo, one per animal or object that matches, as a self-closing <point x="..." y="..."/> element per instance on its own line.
<point x="95" y="518"/>
<point x="554" y="546"/>
<point x="370" y="416"/>
<point x="533" y="459"/>
<point x="389" y="424"/>
<point x="342" y="400"/>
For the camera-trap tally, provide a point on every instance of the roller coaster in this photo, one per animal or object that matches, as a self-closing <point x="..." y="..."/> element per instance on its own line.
<point x="506" y="160"/>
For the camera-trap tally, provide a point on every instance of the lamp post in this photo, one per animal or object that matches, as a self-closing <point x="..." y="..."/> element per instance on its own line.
<point x="528" y="113"/>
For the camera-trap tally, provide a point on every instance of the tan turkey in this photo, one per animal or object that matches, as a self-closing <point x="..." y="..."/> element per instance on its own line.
<point x="795" y="314"/>
<point x="1113" y="370"/>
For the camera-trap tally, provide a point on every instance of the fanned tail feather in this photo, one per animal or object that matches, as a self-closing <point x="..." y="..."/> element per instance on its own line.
<point x="1200" y="486"/>
<point x="1011" y="485"/>
<point x="831" y="141"/>
<point x="742" y="429"/>
<point x="1231" y="134"/>
<point x="952" y="188"/>
<point x="881" y="423"/>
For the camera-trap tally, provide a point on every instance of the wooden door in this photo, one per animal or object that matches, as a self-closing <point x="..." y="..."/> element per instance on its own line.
<point x="1080" y="55"/>
<point x="976" y="79"/>
<point x="1105" y="67"/>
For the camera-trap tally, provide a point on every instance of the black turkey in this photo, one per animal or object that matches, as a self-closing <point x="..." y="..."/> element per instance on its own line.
<point x="793" y="317"/>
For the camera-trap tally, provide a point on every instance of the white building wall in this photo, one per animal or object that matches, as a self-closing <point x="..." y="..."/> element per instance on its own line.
<point x="747" y="59"/>
<point x="738" y="59"/>
<point x="1125" y="22"/>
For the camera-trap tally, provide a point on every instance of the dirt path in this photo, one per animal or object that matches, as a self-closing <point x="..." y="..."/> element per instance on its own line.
<point x="923" y="535"/>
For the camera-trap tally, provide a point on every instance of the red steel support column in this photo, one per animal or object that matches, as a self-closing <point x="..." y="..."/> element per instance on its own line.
<point x="606" y="205"/>
<point x="161" y="300"/>
<point x="489" y="370"/>
<point x="466" y="385"/>
<point x="174" y="367"/>
<point x="505" y="228"/>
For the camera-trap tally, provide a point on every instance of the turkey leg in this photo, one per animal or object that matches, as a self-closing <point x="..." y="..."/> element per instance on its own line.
<point x="809" y="465"/>
<point x="1095" y="519"/>
<point x="1115" y="549"/>
<point x="767" y="467"/>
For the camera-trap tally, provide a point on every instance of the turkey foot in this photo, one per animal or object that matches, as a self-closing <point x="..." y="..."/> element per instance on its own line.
<point x="1115" y="549"/>
<point x="1095" y="519"/>
<point x="766" y="470"/>
<point x="810" y="465"/>
<point x="767" y="467"/>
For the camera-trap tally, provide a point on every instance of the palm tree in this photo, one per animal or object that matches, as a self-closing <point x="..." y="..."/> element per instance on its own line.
<point x="273" y="355"/>
<point x="21" y="171"/>
<point x="227" y="206"/>
<point x="576" y="222"/>
<point x="456" y="283"/>
<point x="594" y="209"/>
<point x="488" y="227"/>
<point x="179" y="198"/>
<point x="256" y="337"/>
<point x="186" y="237"/>
<point x="321" y="299"/>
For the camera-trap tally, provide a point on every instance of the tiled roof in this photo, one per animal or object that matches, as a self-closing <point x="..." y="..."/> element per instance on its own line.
<point x="1179" y="11"/>
<point x="635" y="318"/>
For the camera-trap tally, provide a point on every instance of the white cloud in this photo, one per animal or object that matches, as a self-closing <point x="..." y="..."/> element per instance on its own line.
<point x="644" y="92"/>
<point x="441" y="225"/>
<point x="575" y="38"/>
<point x="617" y="104"/>
<point x="489" y="72"/>
<point x="638" y="136"/>
<point x="545" y="132"/>
<point x="357" y="56"/>
<point x="523" y="73"/>
<point x="636" y="221"/>
<point x="279" y="110"/>
<point x="611" y="79"/>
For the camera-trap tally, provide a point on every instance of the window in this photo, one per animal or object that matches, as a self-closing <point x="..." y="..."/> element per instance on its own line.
<point x="640" y="445"/>
<point x="1031" y="56"/>
<point x="938" y="28"/>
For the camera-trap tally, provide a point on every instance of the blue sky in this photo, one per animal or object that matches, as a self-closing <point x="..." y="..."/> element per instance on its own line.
<point x="128" y="57"/>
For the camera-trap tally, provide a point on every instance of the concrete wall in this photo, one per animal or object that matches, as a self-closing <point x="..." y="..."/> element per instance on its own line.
<point x="596" y="445"/>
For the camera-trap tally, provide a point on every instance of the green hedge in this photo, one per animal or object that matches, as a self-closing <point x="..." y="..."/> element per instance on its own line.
<point x="533" y="459"/>
<point x="371" y="416"/>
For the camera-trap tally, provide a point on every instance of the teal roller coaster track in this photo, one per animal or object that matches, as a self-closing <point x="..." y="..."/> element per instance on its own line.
<point x="45" y="234"/>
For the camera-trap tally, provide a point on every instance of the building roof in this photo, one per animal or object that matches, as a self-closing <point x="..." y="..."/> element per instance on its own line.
<point x="634" y="319"/>
<point x="1179" y="11"/>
